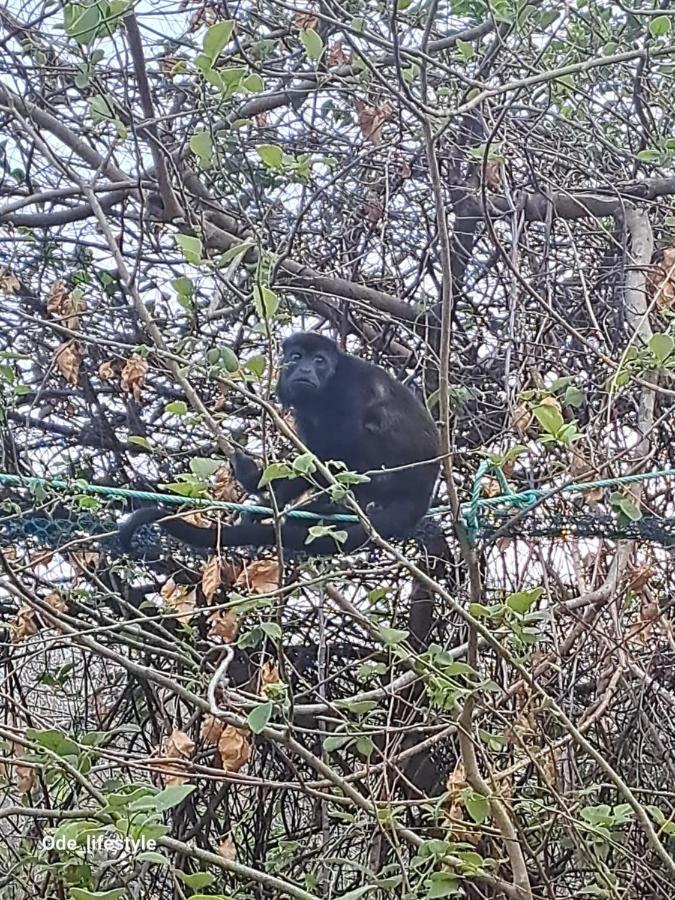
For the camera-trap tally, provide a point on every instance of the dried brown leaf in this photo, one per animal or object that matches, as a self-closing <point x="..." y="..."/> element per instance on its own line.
<point x="372" y="119"/>
<point x="226" y="487"/>
<point x="133" y="375"/>
<point x="639" y="577"/>
<point x="211" y="577"/>
<point x="106" y="371"/>
<point x="269" y="674"/>
<point x="65" y="305"/>
<point x="9" y="283"/>
<point x="374" y="207"/>
<point x="25" y="624"/>
<point x="227" y="850"/>
<point x="211" y="729"/>
<point x="24" y="778"/>
<point x="260" y="577"/>
<point x="304" y="20"/>
<point x="207" y="15"/>
<point x="661" y="281"/>
<point x="224" y="624"/>
<point x="68" y="359"/>
<point x="56" y="601"/>
<point x="490" y="488"/>
<point x="40" y="558"/>
<point x="337" y="56"/>
<point x="234" y="747"/>
<point x="493" y="176"/>
<point x="58" y="294"/>
<point x="521" y="419"/>
<point x="180" y="599"/>
<point x="174" y="757"/>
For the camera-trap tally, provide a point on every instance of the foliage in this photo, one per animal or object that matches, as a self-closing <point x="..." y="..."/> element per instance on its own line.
<point x="181" y="188"/>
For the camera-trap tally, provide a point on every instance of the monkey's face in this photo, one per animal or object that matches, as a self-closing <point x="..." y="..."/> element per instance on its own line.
<point x="306" y="370"/>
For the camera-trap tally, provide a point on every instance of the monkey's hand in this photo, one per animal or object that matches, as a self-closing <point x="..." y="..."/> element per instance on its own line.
<point x="246" y="471"/>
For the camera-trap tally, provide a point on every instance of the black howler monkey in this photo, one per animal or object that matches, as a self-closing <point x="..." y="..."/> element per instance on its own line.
<point x="345" y="409"/>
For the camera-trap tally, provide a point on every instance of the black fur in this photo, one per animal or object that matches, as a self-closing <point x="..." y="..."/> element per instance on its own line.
<point x="345" y="409"/>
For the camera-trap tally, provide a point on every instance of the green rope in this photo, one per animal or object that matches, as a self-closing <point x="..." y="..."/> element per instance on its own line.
<point x="469" y="511"/>
<point x="525" y="499"/>
<point x="79" y="486"/>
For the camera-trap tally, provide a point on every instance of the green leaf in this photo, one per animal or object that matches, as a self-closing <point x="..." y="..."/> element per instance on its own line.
<point x="196" y="880"/>
<point x="203" y="467"/>
<point x="359" y="707"/>
<point x="223" y="356"/>
<point x="597" y="815"/>
<point x="256" y="365"/>
<point x="272" y="155"/>
<point x="364" y="745"/>
<point x="238" y="250"/>
<point x="184" y="286"/>
<point x="259" y="716"/>
<point x="230" y="360"/>
<point x="662" y="346"/>
<point x="466" y="50"/>
<point x="319" y="531"/>
<point x="630" y="509"/>
<point x="480" y="611"/>
<point x="121" y="129"/>
<point x="304" y="464"/>
<point x="232" y="79"/>
<point x="81" y="894"/>
<point x="574" y="396"/>
<point x="521" y="601"/>
<point x="116" y="9"/>
<point x="272" y="630"/>
<point x="476" y="805"/>
<point x="549" y="418"/>
<point x="54" y="740"/>
<point x="216" y="37"/>
<point x="253" y="83"/>
<point x="82" y="22"/>
<point x="659" y="26"/>
<point x="357" y="893"/>
<point x="391" y="636"/>
<point x="433" y="848"/>
<point x="442" y="884"/>
<point x="191" y="247"/>
<point x="152" y="856"/>
<point x="211" y="897"/>
<point x="649" y="155"/>
<point x="202" y="147"/>
<point x="335" y="742"/>
<point x="172" y="796"/>
<point x="656" y="814"/>
<point x="625" y="505"/>
<point x="265" y="301"/>
<point x="100" y="109"/>
<point x="184" y="488"/>
<point x="139" y="441"/>
<point x="273" y="472"/>
<point x="312" y="43"/>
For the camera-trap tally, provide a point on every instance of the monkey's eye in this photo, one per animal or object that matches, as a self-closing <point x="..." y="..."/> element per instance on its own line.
<point x="319" y="360"/>
<point x="294" y="357"/>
